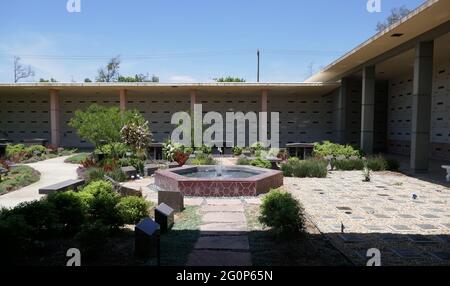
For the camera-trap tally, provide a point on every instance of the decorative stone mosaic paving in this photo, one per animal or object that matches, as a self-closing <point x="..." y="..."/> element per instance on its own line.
<point x="380" y="214"/>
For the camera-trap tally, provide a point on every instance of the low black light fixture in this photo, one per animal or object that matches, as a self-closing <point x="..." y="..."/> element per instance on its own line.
<point x="397" y="35"/>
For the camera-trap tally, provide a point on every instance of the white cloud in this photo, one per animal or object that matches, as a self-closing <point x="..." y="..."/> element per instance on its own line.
<point x="182" y="79"/>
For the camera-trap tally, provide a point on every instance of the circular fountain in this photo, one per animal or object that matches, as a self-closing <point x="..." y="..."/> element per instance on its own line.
<point x="219" y="180"/>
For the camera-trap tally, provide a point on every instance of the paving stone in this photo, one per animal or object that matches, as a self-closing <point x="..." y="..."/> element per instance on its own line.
<point x="344" y="208"/>
<point x="390" y="209"/>
<point x="357" y="217"/>
<point x="447" y="225"/>
<point x="427" y="226"/>
<point x="389" y="237"/>
<point x="219" y="258"/>
<point x="441" y="255"/>
<point x="406" y="216"/>
<point x="381" y="216"/>
<point x="416" y="238"/>
<point x="228" y="242"/>
<point x="224" y="227"/>
<point x="368" y="210"/>
<point x="375" y="227"/>
<point x="429" y="216"/>
<point x="350" y="238"/>
<point x="223" y="208"/>
<point x="212" y="201"/>
<point x="399" y="227"/>
<point x="408" y="253"/>
<point x="253" y="201"/>
<point x="223" y="217"/>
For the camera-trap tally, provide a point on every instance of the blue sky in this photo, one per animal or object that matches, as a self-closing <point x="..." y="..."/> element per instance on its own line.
<point x="184" y="40"/>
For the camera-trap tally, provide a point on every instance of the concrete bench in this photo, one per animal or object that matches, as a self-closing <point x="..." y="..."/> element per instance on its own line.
<point x="61" y="187"/>
<point x="447" y="167"/>
<point x="130" y="172"/>
<point x="150" y="169"/>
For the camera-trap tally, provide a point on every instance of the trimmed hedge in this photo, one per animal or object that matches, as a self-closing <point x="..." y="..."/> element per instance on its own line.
<point x="311" y="168"/>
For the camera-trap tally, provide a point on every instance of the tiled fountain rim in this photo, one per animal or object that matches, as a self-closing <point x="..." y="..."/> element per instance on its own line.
<point x="257" y="177"/>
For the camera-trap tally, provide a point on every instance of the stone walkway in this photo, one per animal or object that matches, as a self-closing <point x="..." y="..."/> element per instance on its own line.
<point x="380" y="214"/>
<point x="52" y="171"/>
<point x="223" y="235"/>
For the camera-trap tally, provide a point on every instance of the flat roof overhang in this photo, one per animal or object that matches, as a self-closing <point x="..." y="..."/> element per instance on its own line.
<point x="430" y="20"/>
<point x="185" y="88"/>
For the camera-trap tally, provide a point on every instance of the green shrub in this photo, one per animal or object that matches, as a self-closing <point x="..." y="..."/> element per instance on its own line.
<point x="132" y="209"/>
<point x="12" y="150"/>
<point x="103" y="205"/>
<point x="69" y="208"/>
<point x="115" y="149"/>
<point x="348" y="164"/>
<point x="326" y="148"/>
<point x="281" y="212"/>
<point x="242" y="160"/>
<point x="36" y="149"/>
<point x="237" y="151"/>
<point x="205" y="149"/>
<point x="135" y="162"/>
<point x="393" y="165"/>
<point x="311" y="168"/>
<point x="39" y="215"/>
<point x="202" y="159"/>
<point x="93" y="174"/>
<point x="92" y="237"/>
<point x="261" y="163"/>
<point x="117" y="175"/>
<point x="14" y="237"/>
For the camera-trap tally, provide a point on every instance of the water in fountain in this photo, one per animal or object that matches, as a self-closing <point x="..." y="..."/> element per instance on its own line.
<point x="219" y="169"/>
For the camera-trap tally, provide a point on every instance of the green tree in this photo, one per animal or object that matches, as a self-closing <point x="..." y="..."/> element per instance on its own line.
<point x="229" y="79"/>
<point x="99" y="123"/>
<point x="87" y="80"/>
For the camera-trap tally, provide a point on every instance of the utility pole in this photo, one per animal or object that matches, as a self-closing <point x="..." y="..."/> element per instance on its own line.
<point x="257" y="71"/>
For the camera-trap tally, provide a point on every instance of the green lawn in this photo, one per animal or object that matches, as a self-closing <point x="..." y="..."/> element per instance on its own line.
<point x="77" y="158"/>
<point x="17" y="178"/>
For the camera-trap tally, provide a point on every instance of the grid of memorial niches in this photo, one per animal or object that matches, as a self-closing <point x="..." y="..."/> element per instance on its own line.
<point x="22" y="118"/>
<point x="440" y="150"/>
<point x="400" y="109"/>
<point x="440" y="130"/>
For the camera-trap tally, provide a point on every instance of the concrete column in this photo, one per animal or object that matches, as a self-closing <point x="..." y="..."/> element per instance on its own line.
<point x="193" y="94"/>
<point x="421" y="107"/>
<point x="341" y="109"/>
<point x="54" y="117"/>
<point x="263" y="117"/>
<point x="123" y="99"/>
<point x="264" y="97"/>
<point x="368" y="109"/>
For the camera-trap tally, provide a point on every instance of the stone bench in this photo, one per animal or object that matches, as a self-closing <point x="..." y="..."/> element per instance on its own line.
<point x="150" y="169"/>
<point x="61" y="187"/>
<point x="130" y="172"/>
<point x="447" y="167"/>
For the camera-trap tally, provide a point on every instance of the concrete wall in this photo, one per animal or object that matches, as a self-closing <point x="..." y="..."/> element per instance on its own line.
<point x="25" y="116"/>
<point x="399" y="113"/>
<point x="303" y="118"/>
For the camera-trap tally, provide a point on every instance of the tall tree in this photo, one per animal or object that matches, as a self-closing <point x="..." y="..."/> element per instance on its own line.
<point x="110" y="72"/>
<point x="396" y="15"/>
<point x="21" y="71"/>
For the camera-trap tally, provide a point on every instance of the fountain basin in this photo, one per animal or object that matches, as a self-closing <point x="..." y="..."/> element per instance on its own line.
<point x="234" y="181"/>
